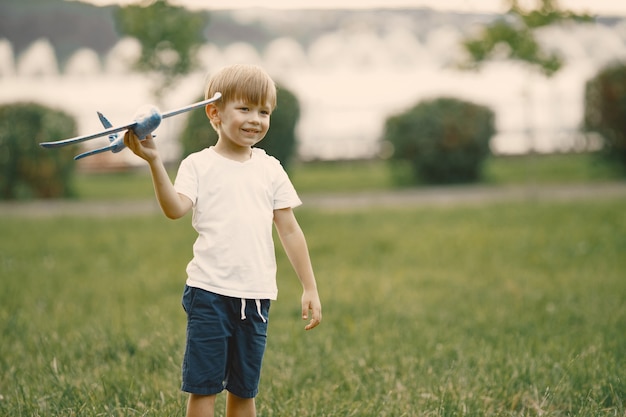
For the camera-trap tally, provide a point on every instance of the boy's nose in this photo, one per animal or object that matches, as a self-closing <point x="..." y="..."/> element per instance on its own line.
<point x="254" y="117"/>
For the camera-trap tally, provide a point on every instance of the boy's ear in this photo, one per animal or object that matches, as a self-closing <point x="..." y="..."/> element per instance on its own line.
<point x="212" y="112"/>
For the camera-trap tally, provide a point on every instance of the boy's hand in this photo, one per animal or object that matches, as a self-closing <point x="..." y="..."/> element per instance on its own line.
<point x="145" y="149"/>
<point x="311" y="303"/>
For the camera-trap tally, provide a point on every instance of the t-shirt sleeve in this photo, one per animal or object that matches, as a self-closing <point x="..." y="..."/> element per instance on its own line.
<point x="186" y="182"/>
<point x="285" y="195"/>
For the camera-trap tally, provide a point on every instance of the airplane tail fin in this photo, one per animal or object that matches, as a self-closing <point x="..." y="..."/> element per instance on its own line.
<point x="105" y="122"/>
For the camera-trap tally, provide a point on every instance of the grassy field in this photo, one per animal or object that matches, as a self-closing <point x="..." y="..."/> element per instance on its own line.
<point x="494" y="310"/>
<point x="354" y="176"/>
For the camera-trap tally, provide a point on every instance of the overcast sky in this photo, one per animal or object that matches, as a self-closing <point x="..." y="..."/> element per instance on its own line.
<point x="601" y="7"/>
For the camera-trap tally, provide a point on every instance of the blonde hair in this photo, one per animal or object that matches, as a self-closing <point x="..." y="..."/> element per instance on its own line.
<point x="249" y="83"/>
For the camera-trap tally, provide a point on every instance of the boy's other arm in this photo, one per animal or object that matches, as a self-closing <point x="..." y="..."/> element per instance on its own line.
<point x="173" y="204"/>
<point x="294" y="242"/>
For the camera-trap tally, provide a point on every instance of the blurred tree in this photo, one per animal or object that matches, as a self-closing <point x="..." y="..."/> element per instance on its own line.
<point x="280" y="141"/>
<point x="605" y="110"/>
<point x="511" y="37"/>
<point x="445" y="140"/>
<point x="26" y="169"/>
<point x="198" y="133"/>
<point x="169" y="37"/>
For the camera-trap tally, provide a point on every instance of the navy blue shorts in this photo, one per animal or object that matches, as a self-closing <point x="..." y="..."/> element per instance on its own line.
<point x="226" y="340"/>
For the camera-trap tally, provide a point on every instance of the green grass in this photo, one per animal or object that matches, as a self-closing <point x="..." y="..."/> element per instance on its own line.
<point x="494" y="310"/>
<point x="550" y="168"/>
<point x="355" y="176"/>
<point x="131" y="185"/>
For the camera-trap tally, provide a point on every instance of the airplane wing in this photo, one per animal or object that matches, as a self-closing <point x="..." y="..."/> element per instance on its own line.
<point x="95" y="151"/>
<point x="215" y="97"/>
<point x="79" y="139"/>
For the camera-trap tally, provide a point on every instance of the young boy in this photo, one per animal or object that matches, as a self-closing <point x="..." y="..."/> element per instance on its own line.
<point x="236" y="192"/>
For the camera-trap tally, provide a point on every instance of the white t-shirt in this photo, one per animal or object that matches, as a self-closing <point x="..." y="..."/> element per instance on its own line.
<point x="233" y="212"/>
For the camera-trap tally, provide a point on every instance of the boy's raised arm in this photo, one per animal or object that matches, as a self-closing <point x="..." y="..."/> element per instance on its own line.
<point x="174" y="205"/>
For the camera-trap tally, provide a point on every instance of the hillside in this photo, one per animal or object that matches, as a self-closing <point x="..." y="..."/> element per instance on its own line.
<point x="67" y="25"/>
<point x="70" y="25"/>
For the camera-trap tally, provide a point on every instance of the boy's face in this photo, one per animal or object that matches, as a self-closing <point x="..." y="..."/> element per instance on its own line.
<point x="241" y="123"/>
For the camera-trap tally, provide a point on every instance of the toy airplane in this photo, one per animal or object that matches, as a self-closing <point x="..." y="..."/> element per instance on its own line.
<point x="143" y="125"/>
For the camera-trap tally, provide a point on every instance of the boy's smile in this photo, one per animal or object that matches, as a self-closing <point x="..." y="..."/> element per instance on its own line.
<point x="252" y="131"/>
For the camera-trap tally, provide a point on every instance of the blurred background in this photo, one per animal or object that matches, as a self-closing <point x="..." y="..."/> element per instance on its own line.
<point x="350" y="66"/>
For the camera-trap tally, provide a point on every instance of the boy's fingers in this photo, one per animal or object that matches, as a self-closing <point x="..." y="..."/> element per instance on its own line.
<point x="316" y="318"/>
<point x="129" y="138"/>
<point x="132" y="141"/>
<point x="315" y="321"/>
<point x="312" y="324"/>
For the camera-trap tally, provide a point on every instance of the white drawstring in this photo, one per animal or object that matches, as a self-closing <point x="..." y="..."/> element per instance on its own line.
<point x="258" y="309"/>
<point x="243" y="309"/>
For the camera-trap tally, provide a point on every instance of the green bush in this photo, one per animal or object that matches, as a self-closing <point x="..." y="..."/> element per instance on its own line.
<point x="26" y="169"/>
<point x="605" y="110"/>
<point x="198" y="133"/>
<point x="446" y="140"/>
<point x="280" y="141"/>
